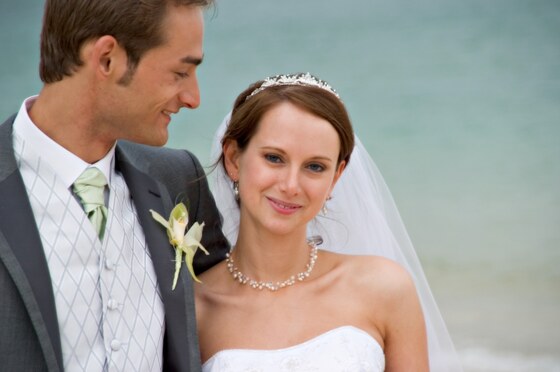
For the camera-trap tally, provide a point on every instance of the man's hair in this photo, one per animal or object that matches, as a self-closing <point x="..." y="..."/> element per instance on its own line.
<point x="68" y="24"/>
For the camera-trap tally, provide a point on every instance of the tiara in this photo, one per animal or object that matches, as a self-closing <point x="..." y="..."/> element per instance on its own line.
<point x="305" y="79"/>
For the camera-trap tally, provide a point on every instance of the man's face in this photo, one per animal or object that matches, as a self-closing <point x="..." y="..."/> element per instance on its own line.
<point x="164" y="82"/>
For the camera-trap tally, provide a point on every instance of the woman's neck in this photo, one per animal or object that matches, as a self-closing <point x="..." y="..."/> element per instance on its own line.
<point x="266" y="257"/>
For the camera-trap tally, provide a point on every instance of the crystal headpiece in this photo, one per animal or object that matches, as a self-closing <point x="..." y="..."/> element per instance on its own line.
<point x="305" y="79"/>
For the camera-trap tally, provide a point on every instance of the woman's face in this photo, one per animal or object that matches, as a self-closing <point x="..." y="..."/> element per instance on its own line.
<point x="287" y="170"/>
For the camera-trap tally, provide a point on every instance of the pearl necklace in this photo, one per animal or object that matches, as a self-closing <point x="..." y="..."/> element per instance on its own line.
<point x="244" y="279"/>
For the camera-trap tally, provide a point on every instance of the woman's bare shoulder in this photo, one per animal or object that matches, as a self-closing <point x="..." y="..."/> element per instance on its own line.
<point x="366" y="264"/>
<point x="376" y="275"/>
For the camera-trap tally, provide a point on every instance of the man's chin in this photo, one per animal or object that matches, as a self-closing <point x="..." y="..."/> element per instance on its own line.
<point x="156" y="141"/>
<point x="159" y="141"/>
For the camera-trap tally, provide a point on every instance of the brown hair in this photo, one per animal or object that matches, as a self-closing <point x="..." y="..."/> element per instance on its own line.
<point x="247" y="113"/>
<point x="67" y="24"/>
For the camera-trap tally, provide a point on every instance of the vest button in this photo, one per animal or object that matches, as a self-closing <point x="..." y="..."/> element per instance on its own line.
<point x="115" y="345"/>
<point x="109" y="264"/>
<point x="112" y="304"/>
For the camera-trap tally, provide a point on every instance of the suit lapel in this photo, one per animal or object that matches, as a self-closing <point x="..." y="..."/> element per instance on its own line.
<point x="147" y="195"/>
<point x="22" y="252"/>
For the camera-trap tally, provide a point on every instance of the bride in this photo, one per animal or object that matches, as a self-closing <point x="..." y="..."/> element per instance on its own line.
<point x="289" y="297"/>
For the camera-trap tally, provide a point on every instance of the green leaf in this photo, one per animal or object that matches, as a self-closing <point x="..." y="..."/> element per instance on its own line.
<point x="178" y="261"/>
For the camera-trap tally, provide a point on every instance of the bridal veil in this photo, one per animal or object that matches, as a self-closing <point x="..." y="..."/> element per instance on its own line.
<point x="362" y="219"/>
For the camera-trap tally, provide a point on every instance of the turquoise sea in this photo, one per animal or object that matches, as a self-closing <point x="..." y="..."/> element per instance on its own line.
<point x="459" y="104"/>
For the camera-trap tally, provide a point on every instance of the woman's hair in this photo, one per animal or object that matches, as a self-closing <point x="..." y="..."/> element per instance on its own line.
<point x="249" y="108"/>
<point x="68" y="24"/>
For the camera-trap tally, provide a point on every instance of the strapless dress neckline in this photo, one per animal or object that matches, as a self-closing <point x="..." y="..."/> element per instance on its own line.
<point x="345" y="348"/>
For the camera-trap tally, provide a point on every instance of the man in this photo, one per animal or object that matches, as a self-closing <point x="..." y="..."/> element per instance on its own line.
<point x="86" y="281"/>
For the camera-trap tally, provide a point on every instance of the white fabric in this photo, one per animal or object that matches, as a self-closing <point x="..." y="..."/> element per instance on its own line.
<point x="342" y="349"/>
<point x="362" y="219"/>
<point x="109" y="310"/>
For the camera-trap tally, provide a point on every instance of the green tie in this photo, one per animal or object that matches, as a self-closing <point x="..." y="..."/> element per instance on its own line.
<point x="89" y="187"/>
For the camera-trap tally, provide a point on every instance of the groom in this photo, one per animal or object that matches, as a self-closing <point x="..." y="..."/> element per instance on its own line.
<point x="85" y="271"/>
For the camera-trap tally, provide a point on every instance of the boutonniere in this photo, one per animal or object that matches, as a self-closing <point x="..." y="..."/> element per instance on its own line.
<point x="186" y="244"/>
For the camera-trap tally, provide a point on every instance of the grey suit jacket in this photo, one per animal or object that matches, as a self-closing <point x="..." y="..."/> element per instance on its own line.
<point x="157" y="179"/>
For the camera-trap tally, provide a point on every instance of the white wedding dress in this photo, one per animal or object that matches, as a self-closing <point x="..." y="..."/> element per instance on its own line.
<point x="341" y="349"/>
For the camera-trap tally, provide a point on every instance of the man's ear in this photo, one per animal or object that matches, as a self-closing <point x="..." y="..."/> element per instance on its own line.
<point x="107" y="57"/>
<point x="231" y="153"/>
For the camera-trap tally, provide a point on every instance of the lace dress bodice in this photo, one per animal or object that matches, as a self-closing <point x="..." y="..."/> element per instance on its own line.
<point x="341" y="349"/>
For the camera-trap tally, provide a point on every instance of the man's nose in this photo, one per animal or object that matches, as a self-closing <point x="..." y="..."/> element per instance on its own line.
<point x="190" y="94"/>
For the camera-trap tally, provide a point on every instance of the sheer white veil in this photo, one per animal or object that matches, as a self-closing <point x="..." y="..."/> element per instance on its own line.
<point x="362" y="219"/>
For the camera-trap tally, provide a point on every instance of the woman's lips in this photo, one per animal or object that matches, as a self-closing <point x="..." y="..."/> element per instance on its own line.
<point x="283" y="207"/>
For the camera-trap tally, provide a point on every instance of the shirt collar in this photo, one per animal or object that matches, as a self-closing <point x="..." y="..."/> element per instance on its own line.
<point x="66" y="165"/>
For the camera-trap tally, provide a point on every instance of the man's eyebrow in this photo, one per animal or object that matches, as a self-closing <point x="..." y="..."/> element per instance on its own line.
<point x="192" y="60"/>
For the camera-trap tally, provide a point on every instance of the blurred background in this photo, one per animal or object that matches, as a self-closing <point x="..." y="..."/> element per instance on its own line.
<point x="458" y="102"/>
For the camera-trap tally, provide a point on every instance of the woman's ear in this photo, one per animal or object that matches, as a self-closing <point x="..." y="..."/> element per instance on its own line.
<point x="337" y="174"/>
<point x="231" y="153"/>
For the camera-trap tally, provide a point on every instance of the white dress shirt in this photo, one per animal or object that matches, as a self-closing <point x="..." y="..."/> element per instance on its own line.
<point x="108" y="304"/>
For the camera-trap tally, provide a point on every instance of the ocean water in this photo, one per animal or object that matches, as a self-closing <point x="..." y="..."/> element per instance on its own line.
<point x="459" y="104"/>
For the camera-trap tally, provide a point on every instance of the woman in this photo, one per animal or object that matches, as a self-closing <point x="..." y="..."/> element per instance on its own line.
<point x="278" y="303"/>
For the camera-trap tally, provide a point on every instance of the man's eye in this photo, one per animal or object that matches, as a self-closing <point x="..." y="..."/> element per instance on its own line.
<point x="182" y="75"/>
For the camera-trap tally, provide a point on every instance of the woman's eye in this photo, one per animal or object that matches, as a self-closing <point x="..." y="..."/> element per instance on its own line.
<point x="272" y="158"/>
<point x="315" y="167"/>
<point x="182" y="75"/>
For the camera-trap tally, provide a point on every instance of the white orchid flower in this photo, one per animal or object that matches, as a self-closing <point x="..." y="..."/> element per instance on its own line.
<point x="184" y="243"/>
